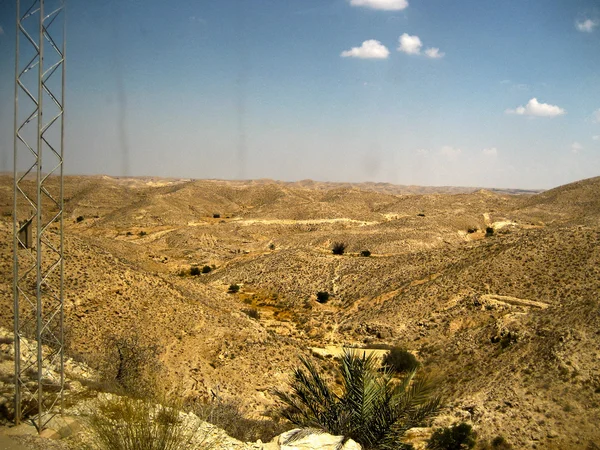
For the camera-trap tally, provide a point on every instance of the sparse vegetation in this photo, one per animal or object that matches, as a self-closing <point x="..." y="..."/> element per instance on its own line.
<point x="206" y="269"/>
<point x="365" y="253"/>
<point x="216" y="216"/>
<point x="271" y="246"/>
<point x="131" y="366"/>
<point x="142" y="233"/>
<point x="79" y="219"/>
<point x="338" y="248"/>
<point x="228" y="416"/>
<point x="371" y="407"/>
<point x="489" y="231"/>
<point x="123" y="423"/>
<point x="322" y="297"/>
<point x="498" y="443"/>
<point x="457" y="437"/>
<point x="233" y="289"/>
<point x="400" y="360"/>
<point x="252" y="313"/>
<point x="194" y="271"/>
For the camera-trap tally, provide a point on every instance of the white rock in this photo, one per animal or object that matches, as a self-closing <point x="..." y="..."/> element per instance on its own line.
<point x="315" y="441"/>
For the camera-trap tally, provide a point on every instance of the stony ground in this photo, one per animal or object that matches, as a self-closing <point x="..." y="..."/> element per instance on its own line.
<point x="435" y="282"/>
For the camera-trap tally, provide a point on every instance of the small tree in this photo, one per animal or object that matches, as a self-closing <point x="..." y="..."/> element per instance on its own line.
<point x="252" y="313"/>
<point x="400" y="360"/>
<point x="80" y="219"/>
<point x="206" y="269"/>
<point x="365" y="253"/>
<point x="338" y="248"/>
<point x="489" y="231"/>
<point x="194" y="271"/>
<point x="233" y="289"/>
<point x="457" y="437"/>
<point x="322" y="297"/>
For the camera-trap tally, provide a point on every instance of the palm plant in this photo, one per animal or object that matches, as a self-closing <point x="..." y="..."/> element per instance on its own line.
<point x="371" y="407"/>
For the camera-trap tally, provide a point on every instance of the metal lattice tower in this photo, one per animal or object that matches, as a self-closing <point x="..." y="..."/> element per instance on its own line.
<point x="38" y="209"/>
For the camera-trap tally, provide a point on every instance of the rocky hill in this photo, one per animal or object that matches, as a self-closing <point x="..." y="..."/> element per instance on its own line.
<point x="495" y="291"/>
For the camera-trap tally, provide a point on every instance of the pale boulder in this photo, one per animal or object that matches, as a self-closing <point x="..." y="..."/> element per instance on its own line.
<point x="314" y="441"/>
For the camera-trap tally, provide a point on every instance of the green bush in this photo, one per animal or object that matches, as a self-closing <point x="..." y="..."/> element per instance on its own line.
<point x="142" y="233"/>
<point x="457" y="437"/>
<point x="371" y="406"/>
<point x="194" y="271"/>
<point x="233" y="289"/>
<point x="322" y="297"/>
<point x="206" y="269"/>
<point x="400" y="360"/>
<point x="252" y="313"/>
<point x="365" y="253"/>
<point x="338" y="248"/>
<point x="498" y="443"/>
<point x="80" y="219"/>
<point x="489" y="231"/>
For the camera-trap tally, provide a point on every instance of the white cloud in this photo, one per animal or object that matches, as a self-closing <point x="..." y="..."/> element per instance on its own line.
<point x="434" y="53"/>
<point x="575" y="147"/>
<point x="537" y="109"/>
<point x="422" y="152"/>
<point x="587" y="26"/>
<point x="450" y="152"/>
<point x="492" y="152"/>
<point x="596" y="116"/>
<point x="385" y="5"/>
<point x="410" y="44"/>
<point x="596" y="138"/>
<point x="370" y="49"/>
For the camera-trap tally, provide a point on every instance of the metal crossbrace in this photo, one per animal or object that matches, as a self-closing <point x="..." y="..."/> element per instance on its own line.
<point x="38" y="243"/>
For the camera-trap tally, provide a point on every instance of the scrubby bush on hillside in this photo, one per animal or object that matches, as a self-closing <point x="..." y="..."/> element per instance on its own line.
<point x="400" y="360"/>
<point x="131" y="366"/>
<point x="228" y="416"/>
<point x="365" y="253"/>
<point x="79" y="219"/>
<point x="216" y="216"/>
<point x="371" y="407"/>
<point x="322" y="297"/>
<point x="338" y="248"/>
<point x="498" y="443"/>
<point x="489" y="231"/>
<point x="233" y="289"/>
<point x="142" y="233"/>
<point x="124" y="423"/>
<point x="194" y="271"/>
<point x="457" y="437"/>
<point x="206" y="269"/>
<point x="252" y="313"/>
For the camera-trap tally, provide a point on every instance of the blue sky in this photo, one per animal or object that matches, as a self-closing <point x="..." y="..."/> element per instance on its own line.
<point x="430" y="92"/>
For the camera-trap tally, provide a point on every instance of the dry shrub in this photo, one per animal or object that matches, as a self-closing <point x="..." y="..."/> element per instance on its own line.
<point x="123" y="423"/>
<point x="228" y="416"/>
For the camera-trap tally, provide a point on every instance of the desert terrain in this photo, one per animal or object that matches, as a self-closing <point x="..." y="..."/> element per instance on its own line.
<point x="495" y="291"/>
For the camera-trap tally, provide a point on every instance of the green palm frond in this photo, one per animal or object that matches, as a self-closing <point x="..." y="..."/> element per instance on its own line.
<point x="373" y="408"/>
